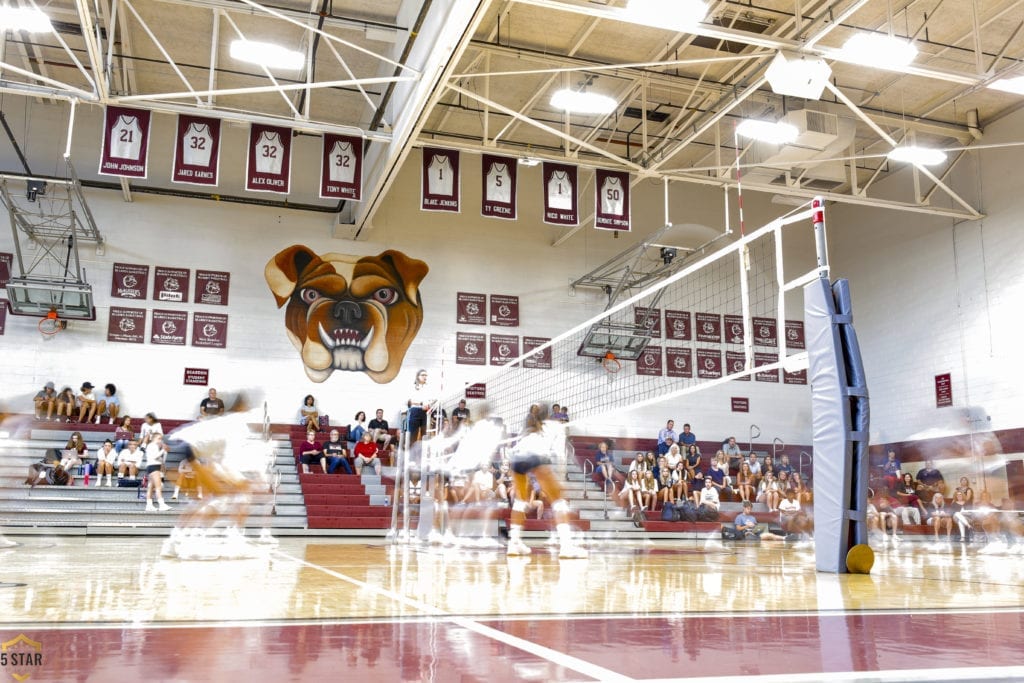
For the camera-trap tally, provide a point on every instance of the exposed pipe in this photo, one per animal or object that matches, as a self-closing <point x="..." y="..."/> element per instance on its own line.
<point x="378" y="116"/>
<point x="312" y="58"/>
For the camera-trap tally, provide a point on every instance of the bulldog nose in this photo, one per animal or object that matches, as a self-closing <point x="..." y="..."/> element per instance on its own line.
<point x="347" y="311"/>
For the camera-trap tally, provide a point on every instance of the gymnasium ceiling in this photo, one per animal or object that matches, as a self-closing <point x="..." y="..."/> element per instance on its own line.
<point x="479" y="76"/>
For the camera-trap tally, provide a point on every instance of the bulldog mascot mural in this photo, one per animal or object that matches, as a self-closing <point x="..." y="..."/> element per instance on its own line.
<point x="344" y="312"/>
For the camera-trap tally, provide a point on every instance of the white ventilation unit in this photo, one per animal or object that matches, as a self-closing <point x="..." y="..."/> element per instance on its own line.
<point x="822" y="135"/>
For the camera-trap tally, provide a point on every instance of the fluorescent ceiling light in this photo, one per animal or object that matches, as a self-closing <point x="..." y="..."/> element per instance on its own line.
<point x="798" y="75"/>
<point x="670" y="14"/>
<point x="24" y="19"/>
<point x="878" y="50"/>
<point x="529" y="161"/>
<point x="912" y="154"/>
<point x="581" y="102"/>
<point x="775" y="132"/>
<point x="1014" y="85"/>
<point x="267" y="54"/>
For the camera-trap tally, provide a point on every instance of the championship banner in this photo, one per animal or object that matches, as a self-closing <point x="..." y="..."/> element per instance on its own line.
<point x="679" y="362"/>
<point x="540" y="361"/>
<point x="126" y="325"/>
<point x="170" y="284"/>
<point x="709" y="327"/>
<point x="504" y="310"/>
<point x="6" y="265"/>
<point x="649" y="318"/>
<point x="130" y="281"/>
<point x="560" y="198"/>
<point x="734" y="329"/>
<point x="504" y="347"/>
<point x="212" y="287"/>
<point x="196" y="151"/>
<point x="341" y="167"/>
<point x="735" y="362"/>
<point x="268" y="165"/>
<point x="439" y="180"/>
<point x="766" y="375"/>
<point x="795" y="334"/>
<point x="798" y="377"/>
<point x="210" y="330"/>
<point x="125" y="142"/>
<point x="649" y="362"/>
<point x="765" y="331"/>
<point x="709" y="364"/>
<point x="169" y="328"/>
<point x="498" y="175"/>
<point x="612" y="207"/>
<point x="470" y="348"/>
<point x="678" y="325"/>
<point x="471" y="308"/>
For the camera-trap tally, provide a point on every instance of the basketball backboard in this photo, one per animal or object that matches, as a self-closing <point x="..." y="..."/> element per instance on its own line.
<point x="37" y="297"/>
<point x="626" y="341"/>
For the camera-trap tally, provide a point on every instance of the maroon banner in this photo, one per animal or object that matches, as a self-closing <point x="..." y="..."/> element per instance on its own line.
<point x="196" y="151"/>
<point x="212" y="287"/>
<point x="130" y="281"/>
<point x="6" y="266"/>
<point x="341" y="167"/>
<point x="612" y="208"/>
<point x="734" y="362"/>
<point x="678" y="325"/>
<point x="268" y="166"/>
<point x="540" y="361"/>
<point x="470" y="348"/>
<point x="795" y="334"/>
<point x="766" y="375"/>
<point x="504" y="347"/>
<point x="734" y="329"/>
<point x="197" y="376"/>
<point x="476" y="391"/>
<point x="709" y="327"/>
<point x="471" y="308"/>
<point x="649" y="318"/>
<point x="169" y="328"/>
<point x="127" y="325"/>
<point x="125" y="142"/>
<point x="560" y="198"/>
<point x="3" y="317"/>
<point x="740" y="405"/>
<point x="709" y="363"/>
<point x="439" y="180"/>
<point x="943" y="390"/>
<point x="679" y="362"/>
<point x="765" y="331"/>
<point x="170" y="284"/>
<point x="504" y="310"/>
<point x="498" y="175"/>
<point x="210" y="330"/>
<point x="649" y="362"/>
<point x="799" y="377"/>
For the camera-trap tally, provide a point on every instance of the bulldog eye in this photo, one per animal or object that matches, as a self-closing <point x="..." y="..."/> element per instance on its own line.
<point x="386" y="296"/>
<point x="309" y="295"/>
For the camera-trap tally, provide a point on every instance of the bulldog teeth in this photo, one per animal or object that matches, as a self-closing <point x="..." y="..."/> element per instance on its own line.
<point x="325" y="338"/>
<point x="367" y="339"/>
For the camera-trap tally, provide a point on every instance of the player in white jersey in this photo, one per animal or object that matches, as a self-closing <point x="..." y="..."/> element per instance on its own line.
<point x="126" y="138"/>
<point x="197" y="144"/>
<point x="499" y="184"/>
<point x="612" y="196"/>
<point x="560" y="191"/>
<point x="269" y="153"/>
<point x="342" y="163"/>
<point x="440" y="176"/>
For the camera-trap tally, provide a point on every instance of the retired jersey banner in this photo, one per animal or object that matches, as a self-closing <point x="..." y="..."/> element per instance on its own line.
<point x="765" y="331"/>
<point x="709" y="363"/>
<point x="560" y="197"/>
<point x="440" y="180"/>
<point x="766" y="375"/>
<point x="470" y="348"/>
<point x="212" y="287"/>
<point x="539" y="361"/>
<point x="734" y="329"/>
<point x="169" y="328"/>
<point x="649" y="362"/>
<point x="196" y="151"/>
<point x="341" y="167"/>
<point x="650" y="318"/>
<point x="210" y="330"/>
<point x="6" y="266"/>
<point x="679" y="362"/>
<point x="125" y="142"/>
<point x="499" y="187"/>
<point x="504" y="347"/>
<point x="612" y="209"/>
<point x="678" y="325"/>
<point x="736" y="362"/>
<point x="127" y="325"/>
<point x="170" y="284"/>
<point x="269" y="159"/>
<point x="504" y="310"/>
<point x="130" y="281"/>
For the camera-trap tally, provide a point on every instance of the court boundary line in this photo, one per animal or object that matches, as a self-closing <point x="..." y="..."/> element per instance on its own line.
<point x="911" y="675"/>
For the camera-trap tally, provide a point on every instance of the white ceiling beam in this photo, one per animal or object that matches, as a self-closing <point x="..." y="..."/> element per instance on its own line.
<point x="92" y="48"/>
<point x="160" y="47"/>
<point x="255" y="90"/>
<point x="70" y="90"/>
<point x="266" y="72"/>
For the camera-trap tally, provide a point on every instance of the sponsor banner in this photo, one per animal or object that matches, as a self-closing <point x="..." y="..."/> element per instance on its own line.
<point x="795" y="334"/>
<point x="504" y="310"/>
<point x="611" y="211"/>
<point x="733" y="329"/>
<point x="679" y="362"/>
<point x="212" y="287"/>
<point x="678" y="325"/>
<point x="767" y="375"/>
<point x="735" y="362"/>
<point x="498" y="175"/>
<point x="6" y="266"/>
<point x="765" y="331"/>
<point x="943" y="390"/>
<point x="649" y="362"/>
<point x="504" y="347"/>
<point x="709" y="363"/>
<point x="709" y="327"/>
<point x="3" y="316"/>
<point x="196" y="151"/>
<point x="268" y="162"/>
<point x="199" y="377"/>
<point x="130" y="281"/>
<point x="125" y="142"/>
<point x="476" y="391"/>
<point x="439" y="180"/>
<point x="649" y="318"/>
<point x="170" y="284"/>
<point x="341" y="167"/>
<point x="169" y="328"/>
<point x="471" y="308"/>
<point x="470" y="348"/>
<point x="799" y="377"/>
<point x="127" y="325"/>
<point x="540" y="361"/>
<point x="210" y="330"/>
<point x="560" y="198"/>
<point x="740" y="405"/>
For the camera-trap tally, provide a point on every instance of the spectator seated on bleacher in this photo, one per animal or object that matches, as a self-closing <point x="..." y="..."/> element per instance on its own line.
<point x="673" y="456"/>
<point x="109" y="405"/>
<point x="309" y="413"/>
<point x="681" y="482"/>
<point x="75" y="452"/>
<point x="381" y="431"/>
<point x="745" y="483"/>
<point x="211" y="406"/>
<point x="746" y="527"/>
<point x="667" y="437"/>
<point x="910" y="508"/>
<point x="124" y="433"/>
<point x="631" y="490"/>
<point x="503" y="481"/>
<point x="939" y="515"/>
<point x="707" y="500"/>
<point x="732" y="451"/>
<point x="129" y="459"/>
<point x="336" y="452"/>
<point x="930" y="481"/>
<point x="784" y="466"/>
<point x="604" y="465"/>
<point x="881" y="516"/>
<point x="794" y="519"/>
<point x="768" y="492"/>
<point x="311" y="452"/>
<point x="150" y="428"/>
<point x="45" y="402"/>
<point x="86" y="403"/>
<point x="686" y="437"/>
<point x="66" y="404"/>
<point x="715" y="478"/>
<point x="105" y="459"/>
<point x="366" y="454"/>
<point x="802" y="490"/>
<point x="666" y="486"/>
<point x="187" y="481"/>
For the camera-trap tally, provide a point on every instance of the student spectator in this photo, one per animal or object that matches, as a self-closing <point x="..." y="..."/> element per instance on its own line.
<point x="45" y="402"/>
<point x="745" y="522"/>
<point x="639" y="463"/>
<point x="336" y="453"/>
<point x="940" y="515"/>
<point x="799" y="487"/>
<point x="380" y="429"/>
<point x="891" y="470"/>
<point x="732" y="450"/>
<point x="75" y="451"/>
<point x="66" y="404"/>
<point x="105" y="459"/>
<point x="648" y="491"/>
<point x="886" y="506"/>
<point x="666" y="486"/>
<point x="784" y="466"/>
<point x="123" y="434"/>
<point x="460" y="414"/>
<point x="769" y="493"/>
<point x="709" y="495"/>
<point x="716" y="475"/>
<point x="604" y="464"/>
<point x="211" y="406"/>
<point x="481" y="486"/>
<point x="745" y="483"/>
<point x="156" y="457"/>
<point x="415" y="487"/>
<point x="965" y="488"/>
<point x="357" y="428"/>
<point x="722" y="460"/>
<point x="666" y="437"/>
<point x="681" y="482"/>
<point x="632" y="489"/>
<point x="930" y="481"/>
<point x="768" y="464"/>
<point x="673" y="457"/>
<point x="129" y="459"/>
<point x="187" y="480"/>
<point x="693" y="458"/>
<point x="311" y="452"/>
<point x="784" y="482"/>
<point x="794" y="520"/>
<point x="86" y="403"/>
<point x="910" y="503"/>
<point x="366" y="454"/>
<point x="755" y="466"/>
<point x="562" y="416"/>
<point x="150" y="428"/>
<point x="687" y="437"/>
<point x="309" y="414"/>
<point x="503" y="481"/>
<point x="109" y="405"/>
<point x="961" y="509"/>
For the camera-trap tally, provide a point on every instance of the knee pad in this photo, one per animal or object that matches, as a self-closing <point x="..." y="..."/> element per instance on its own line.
<point x="520" y="506"/>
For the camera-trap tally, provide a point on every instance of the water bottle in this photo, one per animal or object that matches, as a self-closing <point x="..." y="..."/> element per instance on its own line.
<point x="86" y="470"/>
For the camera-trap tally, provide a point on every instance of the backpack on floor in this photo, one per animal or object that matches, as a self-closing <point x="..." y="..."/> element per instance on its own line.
<point x="706" y="513"/>
<point x="669" y="513"/>
<point x="687" y="511"/>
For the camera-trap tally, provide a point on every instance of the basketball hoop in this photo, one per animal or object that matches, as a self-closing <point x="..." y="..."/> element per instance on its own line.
<point x="610" y="363"/>
<point x="51" y="324"/>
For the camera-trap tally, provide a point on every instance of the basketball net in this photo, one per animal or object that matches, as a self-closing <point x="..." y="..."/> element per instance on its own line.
<point x="51" y="324"/>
